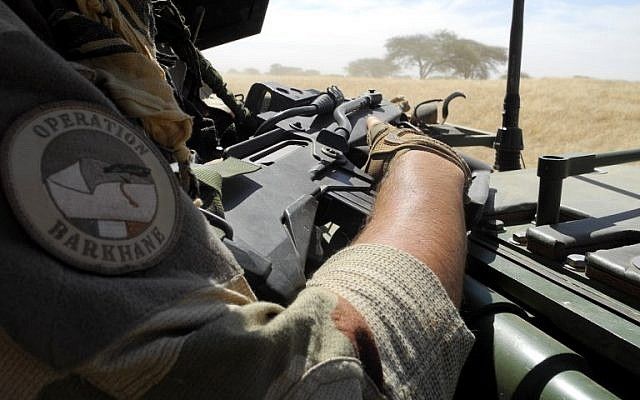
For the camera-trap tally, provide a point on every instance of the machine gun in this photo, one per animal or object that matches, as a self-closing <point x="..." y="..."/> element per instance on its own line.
<point x="553" y="284"/>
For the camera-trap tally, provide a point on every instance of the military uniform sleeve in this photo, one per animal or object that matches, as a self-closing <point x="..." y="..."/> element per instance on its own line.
<point x="218" y="342"/>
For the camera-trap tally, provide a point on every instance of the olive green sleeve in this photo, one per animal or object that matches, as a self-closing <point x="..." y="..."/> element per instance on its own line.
<point x="373" y="323"/>
<point x="219" y="343"/>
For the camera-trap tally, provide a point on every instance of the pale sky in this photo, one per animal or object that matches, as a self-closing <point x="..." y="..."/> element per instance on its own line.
<point x="593" y="38"/>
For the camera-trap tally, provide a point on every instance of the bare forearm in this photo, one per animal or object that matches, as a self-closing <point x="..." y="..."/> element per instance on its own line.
<point x="419" y="210"/>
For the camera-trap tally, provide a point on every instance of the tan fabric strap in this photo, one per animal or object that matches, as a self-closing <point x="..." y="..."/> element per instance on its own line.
<point x="135" y="81"/>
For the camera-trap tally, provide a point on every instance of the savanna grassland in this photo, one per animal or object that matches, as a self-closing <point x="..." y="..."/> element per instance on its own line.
<point x="557" y="115"/>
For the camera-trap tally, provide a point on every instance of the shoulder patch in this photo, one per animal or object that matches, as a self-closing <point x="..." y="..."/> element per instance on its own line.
<point x="89" y="188"/>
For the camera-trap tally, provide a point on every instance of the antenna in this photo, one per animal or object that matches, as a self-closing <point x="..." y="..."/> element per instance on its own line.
<point x="509" y="143"/>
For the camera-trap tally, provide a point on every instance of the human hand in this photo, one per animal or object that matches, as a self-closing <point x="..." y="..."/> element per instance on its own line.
<point x="387" y="142"/>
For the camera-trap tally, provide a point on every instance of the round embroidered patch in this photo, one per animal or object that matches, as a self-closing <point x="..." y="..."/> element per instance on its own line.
<point x="89" y="188"/>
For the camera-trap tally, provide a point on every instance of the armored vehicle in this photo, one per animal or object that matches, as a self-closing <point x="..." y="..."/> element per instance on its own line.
<point x="553" y="285"/>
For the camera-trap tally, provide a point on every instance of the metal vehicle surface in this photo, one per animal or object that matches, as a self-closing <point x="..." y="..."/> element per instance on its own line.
<point x="553" y="285"/>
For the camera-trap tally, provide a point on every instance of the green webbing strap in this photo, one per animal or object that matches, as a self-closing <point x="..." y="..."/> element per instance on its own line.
<point x="214" y="179"/>
<point x="214" y="80"/>
<point x="212" y="175"/>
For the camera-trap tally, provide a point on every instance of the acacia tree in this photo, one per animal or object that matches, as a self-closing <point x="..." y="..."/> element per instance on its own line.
<point x="414" y="50"/>
<point x="371" y="67"/>
<point x="472" y="60"/>
<point x="445" y="52"/>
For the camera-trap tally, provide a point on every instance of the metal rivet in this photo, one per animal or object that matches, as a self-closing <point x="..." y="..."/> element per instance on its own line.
<point x="577" y="262"/>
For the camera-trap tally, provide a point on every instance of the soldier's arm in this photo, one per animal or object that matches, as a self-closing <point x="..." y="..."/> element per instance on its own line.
<point x="413" y="246"/>
<point x="419" y="210"/>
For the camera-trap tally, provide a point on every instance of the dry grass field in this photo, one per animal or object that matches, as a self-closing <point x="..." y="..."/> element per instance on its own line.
<point x="557" y="115"/>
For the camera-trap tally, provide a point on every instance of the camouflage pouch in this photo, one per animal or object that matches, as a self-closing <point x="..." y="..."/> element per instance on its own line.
<point x="387" y="141"/>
